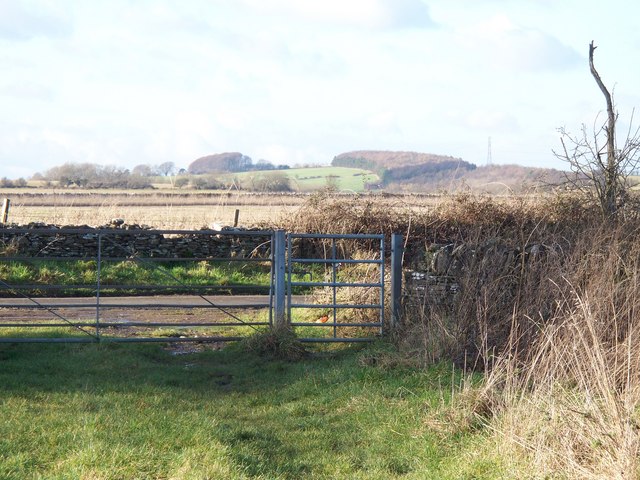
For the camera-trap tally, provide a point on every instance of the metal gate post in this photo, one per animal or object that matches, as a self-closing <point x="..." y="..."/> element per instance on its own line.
<point x="279" y="270"/>
<point x="98" y="284"/>
<point x="396" y="278"/>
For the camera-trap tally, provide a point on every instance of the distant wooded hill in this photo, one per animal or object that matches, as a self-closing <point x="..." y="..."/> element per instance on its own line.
<point x="394" y="167"/>
<point x="492" y="179"/>
<point x="426" y="172"/>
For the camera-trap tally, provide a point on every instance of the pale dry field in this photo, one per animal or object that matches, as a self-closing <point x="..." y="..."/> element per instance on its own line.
<point x="171" y="209"/>
<point x="180" y="209"/>
<point x="161" y="216"/>
<point x="156" y="209"/>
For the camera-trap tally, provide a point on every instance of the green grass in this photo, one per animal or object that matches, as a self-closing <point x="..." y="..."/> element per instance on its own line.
<point x="310" y="179"/>
<point x="254" y="277"/>
<point x="176" y="274"/>
<point x="111" y="411"/>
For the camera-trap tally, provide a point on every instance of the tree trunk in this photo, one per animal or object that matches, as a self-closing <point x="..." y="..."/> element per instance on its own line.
<point x="610" y="193"/>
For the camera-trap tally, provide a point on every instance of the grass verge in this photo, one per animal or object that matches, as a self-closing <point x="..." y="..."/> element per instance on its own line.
<point x="78" y="277"/>
<point x="113" y="411"/>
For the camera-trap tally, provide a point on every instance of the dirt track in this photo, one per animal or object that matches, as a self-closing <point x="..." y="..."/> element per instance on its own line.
<point x="173" y="308"/>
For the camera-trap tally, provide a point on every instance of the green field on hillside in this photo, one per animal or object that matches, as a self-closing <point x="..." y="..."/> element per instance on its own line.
<point x="315" y="178"/>
<point x="305" y="179"/>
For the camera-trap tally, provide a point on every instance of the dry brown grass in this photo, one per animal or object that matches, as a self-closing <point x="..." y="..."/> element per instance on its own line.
<point x="194" y="209"/>
<point x="571" y="409"/>
<point x="167" y="216"/>
<point x="559" y="339"/>
<point x="570" y="403"/>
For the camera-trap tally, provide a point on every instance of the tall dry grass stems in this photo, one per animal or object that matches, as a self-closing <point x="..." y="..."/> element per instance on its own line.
<point x="568" y="402"/>
<point x="548" y="306"/>
<point x="571" y="410"/>
<point x="558" y="335"/>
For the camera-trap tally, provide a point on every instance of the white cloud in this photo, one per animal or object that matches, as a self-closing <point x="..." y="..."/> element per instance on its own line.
<point x="492" y="120"/>
<point x="20" y="20"/>
<point x="373" y="14"/>
<point x="22" y="145"/>
<point x="276" y="154"/>
<point x="27" y="90"/>
<point x="383" y="121"/>
<point x="145" y="81"/>
<point x="405" y="14"/>
<point x="504" y="44"/>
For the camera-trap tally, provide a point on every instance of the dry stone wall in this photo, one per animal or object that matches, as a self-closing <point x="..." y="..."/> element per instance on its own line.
<point x="122" y="240"/>
<point x="436" y="274"/>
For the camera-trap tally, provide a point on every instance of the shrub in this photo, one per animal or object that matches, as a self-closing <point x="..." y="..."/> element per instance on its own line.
<point x="8" y="183"/>
<point x="270" y="182"/>
<point x="276" y="342"/>
<point x="181" y="182"/>
<point x="206" y="182"/>
<point x="567" y="403"/>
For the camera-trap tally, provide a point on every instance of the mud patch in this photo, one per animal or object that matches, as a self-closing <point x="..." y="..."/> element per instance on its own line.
<point x="186" y="348"/>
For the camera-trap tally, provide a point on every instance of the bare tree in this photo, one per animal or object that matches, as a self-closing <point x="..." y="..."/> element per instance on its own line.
<point x="143" y="170"/>
<point x="594" y="156"/>
<point x="166" y="168"/>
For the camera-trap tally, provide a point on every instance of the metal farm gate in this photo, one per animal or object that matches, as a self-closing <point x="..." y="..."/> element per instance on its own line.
<point x="333" y="284"/>
<point x="360" y="278"/>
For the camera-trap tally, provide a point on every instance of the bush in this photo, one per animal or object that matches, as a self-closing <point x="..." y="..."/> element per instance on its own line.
<point x="270" y="182"/>
<point x="278" y="343"/>
<point x="546" y="302"/>
<point x="206" y="182"/>
<point x="566" y="402"/>
<point x="90" y="175"/>
<point x="8" y="183"/>
<point x="181" y="182"/>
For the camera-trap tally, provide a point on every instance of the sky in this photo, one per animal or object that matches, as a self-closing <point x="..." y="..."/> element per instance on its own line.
<point x="129" y="82"/>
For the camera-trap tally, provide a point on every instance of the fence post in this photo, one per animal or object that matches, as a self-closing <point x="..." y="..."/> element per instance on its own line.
<point x="98" y="284"/>
<point x="397" y="249"/>
<point x="5" y="210"/>
<point x="279" y="269"/>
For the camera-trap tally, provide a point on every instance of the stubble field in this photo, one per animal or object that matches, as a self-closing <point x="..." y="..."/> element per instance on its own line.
<point x="172" y="209"/>
<point x="162" y="209"/>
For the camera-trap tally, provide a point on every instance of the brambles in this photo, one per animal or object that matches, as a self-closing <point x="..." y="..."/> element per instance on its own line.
<point x="567" y="403"/>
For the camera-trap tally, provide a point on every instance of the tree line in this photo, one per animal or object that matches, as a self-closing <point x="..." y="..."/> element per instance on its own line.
<point x="91" y="175"/>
